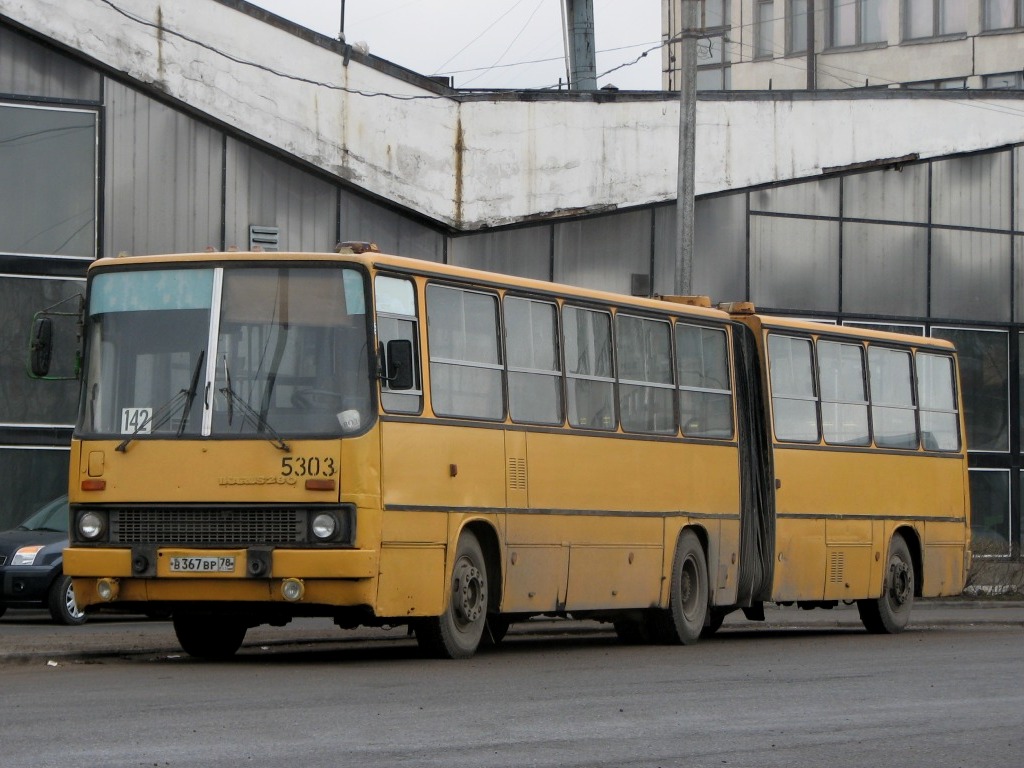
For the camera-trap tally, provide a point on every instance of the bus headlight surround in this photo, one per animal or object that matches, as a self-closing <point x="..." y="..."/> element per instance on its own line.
<point x="91" y="526"/>
<point x="324" y="526"/>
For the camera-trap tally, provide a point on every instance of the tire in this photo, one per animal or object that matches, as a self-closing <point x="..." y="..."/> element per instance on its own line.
<point x="683" y="621"/>
<point x="890" y="613"/>
<point x="209" y="637"/>
<point x="62" y="605"/>
<point x="457" y="632"/>
<point x="633" y="631"/>
<point x="3" y="609"/>
<point x="714" y="621"/>
<point x="497" y="628"/>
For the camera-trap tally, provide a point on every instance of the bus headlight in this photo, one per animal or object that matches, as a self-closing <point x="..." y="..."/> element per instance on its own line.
<point x="325" y="525"/>
<point x="91" y="526"/>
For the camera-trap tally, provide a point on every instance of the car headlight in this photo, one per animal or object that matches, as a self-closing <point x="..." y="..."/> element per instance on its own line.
<point x="26" y="555"/>
<point x="324" y="526"/>
<point x="90" y="526"/>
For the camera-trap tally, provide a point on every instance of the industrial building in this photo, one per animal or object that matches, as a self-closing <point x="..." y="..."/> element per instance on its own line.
<point x="128" y="126"/>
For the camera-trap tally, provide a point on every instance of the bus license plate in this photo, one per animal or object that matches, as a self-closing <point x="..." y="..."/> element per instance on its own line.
<point x="203" y="564"/>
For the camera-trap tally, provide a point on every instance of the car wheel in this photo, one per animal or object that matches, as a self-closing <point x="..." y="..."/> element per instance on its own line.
<point x="63" y="607"/>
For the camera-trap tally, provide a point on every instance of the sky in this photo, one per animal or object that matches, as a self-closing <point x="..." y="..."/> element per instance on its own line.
<point x="491" y="43"/>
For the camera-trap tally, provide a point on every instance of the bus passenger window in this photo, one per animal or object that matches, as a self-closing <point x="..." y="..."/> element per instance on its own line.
<point x="844" y="402"/>
<point x="705" y="395"/>
<point x="794" y="405"/>
<point x="645" y="375"/>
<point x="396" y="319"/>
<point x="936" y="395"/>
<point x="465" y="359"/>
<point x="892" y="398"/>
<point x="534" y="368"/>
<point x="588" y="362"/>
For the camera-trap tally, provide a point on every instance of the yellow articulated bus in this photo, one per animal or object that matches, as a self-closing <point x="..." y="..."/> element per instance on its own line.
<point x="379" y="440"/>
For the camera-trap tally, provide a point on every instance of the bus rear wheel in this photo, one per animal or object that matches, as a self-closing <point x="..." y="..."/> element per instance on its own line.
<point x="683" y="621"/>
<point x="890" y="613"/>
<point x="209" y="637"/>
<point x="456" y="633"/>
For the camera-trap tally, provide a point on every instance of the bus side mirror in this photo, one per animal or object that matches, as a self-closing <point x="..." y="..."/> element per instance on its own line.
<point x="399" y="363"/>
<point x="41" y="346"/>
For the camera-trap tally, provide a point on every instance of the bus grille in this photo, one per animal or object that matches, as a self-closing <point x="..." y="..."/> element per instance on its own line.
<point x="216" y="527"/>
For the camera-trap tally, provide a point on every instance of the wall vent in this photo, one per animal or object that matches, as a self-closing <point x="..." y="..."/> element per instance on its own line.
<point x="264" y="238"/>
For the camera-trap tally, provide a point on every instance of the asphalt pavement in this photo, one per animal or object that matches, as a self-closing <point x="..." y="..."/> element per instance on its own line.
<point x="28" y="636"/>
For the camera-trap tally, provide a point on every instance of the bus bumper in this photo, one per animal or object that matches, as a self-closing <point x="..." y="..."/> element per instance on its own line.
<point x="329" y="577"/>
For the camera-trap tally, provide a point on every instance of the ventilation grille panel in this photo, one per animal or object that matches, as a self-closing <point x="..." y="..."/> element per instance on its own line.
<point x="517" y="474"/>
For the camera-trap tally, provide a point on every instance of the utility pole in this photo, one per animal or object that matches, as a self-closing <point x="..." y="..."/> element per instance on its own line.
<point x="582" y="54"/>
<point x="685" y="180"/>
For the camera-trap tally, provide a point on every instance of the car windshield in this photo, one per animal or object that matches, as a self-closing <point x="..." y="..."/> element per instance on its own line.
<point x="53" y="516"/>
<point x="255" y="351"/>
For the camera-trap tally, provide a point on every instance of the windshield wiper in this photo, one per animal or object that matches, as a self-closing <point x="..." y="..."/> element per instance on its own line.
<point x="163" y="414"/>
<point x="251" y="415"/>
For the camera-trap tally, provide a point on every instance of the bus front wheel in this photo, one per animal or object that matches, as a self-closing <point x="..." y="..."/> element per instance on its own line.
<point x="890" y="613"/>
<point x="683" y="621"/>
<point x="209" y="637"/>
<point x="456" y="633"/>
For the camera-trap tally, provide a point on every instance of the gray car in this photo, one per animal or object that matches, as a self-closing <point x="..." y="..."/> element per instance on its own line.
<point x="32" y="565"/>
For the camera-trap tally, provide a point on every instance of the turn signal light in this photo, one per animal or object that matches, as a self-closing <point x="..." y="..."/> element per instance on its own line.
<point x="94" y="485"/>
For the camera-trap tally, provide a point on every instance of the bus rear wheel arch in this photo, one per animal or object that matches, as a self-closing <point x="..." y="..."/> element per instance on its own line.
<point x="890" y="613"/>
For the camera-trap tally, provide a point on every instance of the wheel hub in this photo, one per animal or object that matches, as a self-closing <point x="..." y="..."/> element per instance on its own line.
<point x="469" y="593"/>
<point x="900" y="581"/>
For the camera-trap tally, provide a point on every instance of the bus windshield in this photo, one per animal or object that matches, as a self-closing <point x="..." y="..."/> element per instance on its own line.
<point x="260" y="351"/>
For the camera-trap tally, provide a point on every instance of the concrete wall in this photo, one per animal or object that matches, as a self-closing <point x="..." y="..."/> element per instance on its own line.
<point x="470" y="162"/>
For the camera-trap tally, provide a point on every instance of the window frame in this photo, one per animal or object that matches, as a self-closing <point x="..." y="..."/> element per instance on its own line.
<point x="387" y="394"/>
<point x="814" y="397"/>
<point x="558" y="373"/>
<point x="637" y="384"/>
<point x="938" y="9"/>
<point x="859" y="9"/>
<point x="573" y="377"/>
<point x="823" y="401"/>
<point x="477" y="365"/>
<point x="700" y="389"/>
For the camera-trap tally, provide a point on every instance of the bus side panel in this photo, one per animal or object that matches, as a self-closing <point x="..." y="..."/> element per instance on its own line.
<point x="801" y="496"/>
<point x="626" y="502"/>
<point x="943" y="559"/>
<point x="850" y="489"/>
<point x="412" y="581"/>
<point x="429" y="471"/>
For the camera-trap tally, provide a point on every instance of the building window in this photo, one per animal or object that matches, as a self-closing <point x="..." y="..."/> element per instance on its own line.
<point x="796" y="26"/>
<point x="764" y="21"/>
<point x="953" y="84"/>
<point x="1003" y="14"/>
<point x="712" y="60"/>
<point x="52" y="154"/>
<point x="984" y="374"/>
<point x="856" y="22"/>
<point x="1006" y="81"/>
<point x="932" y="18"/>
